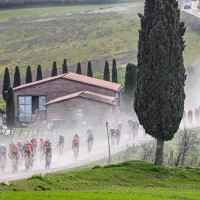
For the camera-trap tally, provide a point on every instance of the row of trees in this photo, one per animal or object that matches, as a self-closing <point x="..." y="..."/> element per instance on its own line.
<point x="39" y="76"/>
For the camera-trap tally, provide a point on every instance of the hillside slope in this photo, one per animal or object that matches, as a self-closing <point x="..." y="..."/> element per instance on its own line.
<point x="131" y="180"/>
<point x="7" y="3"/>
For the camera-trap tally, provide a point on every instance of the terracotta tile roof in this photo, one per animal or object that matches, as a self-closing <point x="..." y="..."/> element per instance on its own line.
<point x="38" y="82"/>
<point x="93" y="81"/>
<point x="78" y="78"/>
<point x="86" y="95"/>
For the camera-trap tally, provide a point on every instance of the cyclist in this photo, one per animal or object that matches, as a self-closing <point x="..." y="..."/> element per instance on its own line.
<point x="14" y="151"/>
<point x="3" y="150"/>
<point x="47" y="148"/>
<point x="47" y="153"/>
<point x="28" y="150"/>
<point x="190" y="116"/>
<point x="90" y="138"/>
<point x="60" y="144"/>
<point x="75" y="145"/>
<point x="113" y="135"/>
<point x="14" y="156"/>
<point x="28" y="155"/>
<point x="34" y="143"/>
<point x="41" y="146"/>
<point x="135" y="128"/>
<point x="118" y="136"/>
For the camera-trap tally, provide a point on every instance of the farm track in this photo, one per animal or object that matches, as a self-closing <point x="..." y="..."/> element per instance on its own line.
<point x="66" y="161"/>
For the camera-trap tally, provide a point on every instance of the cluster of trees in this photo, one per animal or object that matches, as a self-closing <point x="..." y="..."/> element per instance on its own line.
<point x="184" y="151"/>
<point x="54" y="72"/>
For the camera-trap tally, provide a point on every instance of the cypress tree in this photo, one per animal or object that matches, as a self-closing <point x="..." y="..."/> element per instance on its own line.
<point x="10" y="109"/>
<point x="130" y="86"/>
<point x="6" y="83"/>
<point x="114" y="72"/>
<point x="17" y="78"/>
<point x="159" y="96"/>
<point x="28" y="75"/>
<point x="106" y="74"/>
<point x="78" y="70"/>
<point x="89" y="70"/>
<point x="64" y="67"/>
<point x="39" y="73"/>
<point x="54" y="69"/>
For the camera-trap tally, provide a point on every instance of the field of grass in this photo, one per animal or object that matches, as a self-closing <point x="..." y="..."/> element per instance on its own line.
<point x="132" y="180"/>
<point x="32" y="36"/>
<point x="78" y="33"/>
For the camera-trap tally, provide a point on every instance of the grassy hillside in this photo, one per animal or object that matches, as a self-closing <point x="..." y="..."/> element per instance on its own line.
<point x="32" y="36"/>
<point x="132" y="180"/>
<point x="78" y="33"/>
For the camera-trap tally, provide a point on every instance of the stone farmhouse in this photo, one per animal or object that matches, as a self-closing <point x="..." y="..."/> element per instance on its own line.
<point x="70" y="97"/>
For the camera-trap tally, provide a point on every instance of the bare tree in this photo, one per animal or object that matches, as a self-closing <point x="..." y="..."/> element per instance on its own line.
<point x="148" y="151"/>
<point x="188" y="143"/>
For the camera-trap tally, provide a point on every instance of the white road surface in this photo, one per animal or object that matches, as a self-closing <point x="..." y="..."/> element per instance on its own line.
<point x="194" y="11"/>
<point x="66" y="161"/>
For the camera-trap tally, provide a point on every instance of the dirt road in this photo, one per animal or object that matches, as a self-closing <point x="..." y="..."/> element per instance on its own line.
<point x="66" y="161"/>
<point x="194" y="11"/>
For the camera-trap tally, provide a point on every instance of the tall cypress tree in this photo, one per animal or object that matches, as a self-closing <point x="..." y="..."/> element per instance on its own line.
<point x="78" y="70"/>
<point x="106" y="74"/>
<point x="17" y="78"/>
<point x="64" y="67"/>
<point x="114" y="72"/>
<point x="28" y="75"/>
<point x="39" y="73"/>
<point x="159" y="97"/>
<point x="54" y="69"/>
<point x="6" y="83"/>
<point x="89" y="69"/>
<point x="130" y="86"/>
<point x="10" y="109"/>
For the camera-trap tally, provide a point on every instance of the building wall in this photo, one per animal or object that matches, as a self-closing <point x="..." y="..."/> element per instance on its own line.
<point x="58" y="88"/>
<point x="92" y="111"/>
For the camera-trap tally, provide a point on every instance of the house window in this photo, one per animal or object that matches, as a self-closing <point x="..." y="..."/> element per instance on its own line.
<point x="42" y="102"/>
<point x="25" y="108"/>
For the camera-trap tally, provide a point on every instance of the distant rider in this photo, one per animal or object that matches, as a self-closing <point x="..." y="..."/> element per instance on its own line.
<point x="3" y="151"/>
<point x="48" y="148"/>
<point x="75" y="143"/>
<point x="61" y="141"/>
<point x="14" y="151"/>
<point x="90" y="138"/>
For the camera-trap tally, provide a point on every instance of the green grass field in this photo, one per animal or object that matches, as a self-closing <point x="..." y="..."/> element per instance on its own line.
<point x="32" y="36"/>
<point x="132" y="180"/>
<point x="78" y="33"/>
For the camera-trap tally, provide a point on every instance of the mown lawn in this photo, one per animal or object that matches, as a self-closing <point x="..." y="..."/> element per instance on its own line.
<point x="132" y="180"/>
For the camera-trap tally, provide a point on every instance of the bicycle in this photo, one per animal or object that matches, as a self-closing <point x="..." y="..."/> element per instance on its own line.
<point x="47" y="160"/>
<point x="76" y="151"/>
<point x="28" y="162"/>
<point x="14" y="160"/>
<point x="2" y="163"/>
